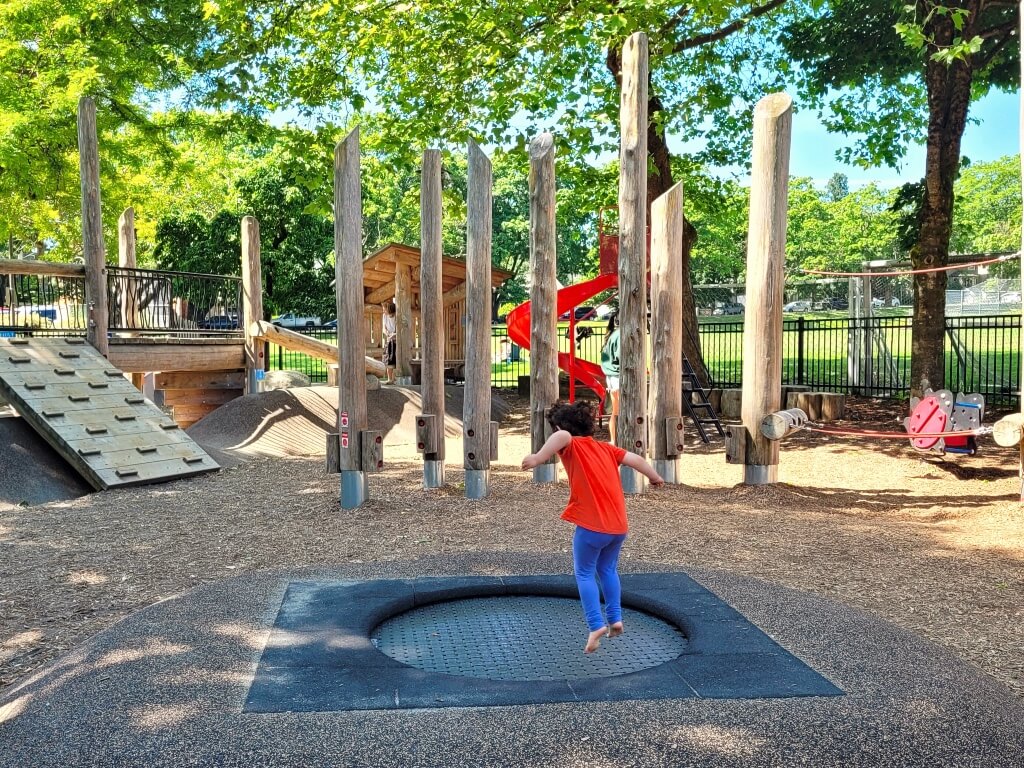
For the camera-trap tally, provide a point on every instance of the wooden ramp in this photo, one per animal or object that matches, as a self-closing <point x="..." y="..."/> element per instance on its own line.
<point x="86" y="409"/>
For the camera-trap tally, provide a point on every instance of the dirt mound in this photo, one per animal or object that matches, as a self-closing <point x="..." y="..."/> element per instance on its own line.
<point x="31" y="471"/>
<point x="295" y="422"/>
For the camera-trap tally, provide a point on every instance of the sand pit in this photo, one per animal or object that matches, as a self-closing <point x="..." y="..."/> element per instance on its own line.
<point x="295" y="422"/>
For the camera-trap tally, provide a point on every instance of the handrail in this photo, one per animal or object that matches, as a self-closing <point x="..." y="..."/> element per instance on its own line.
<point x="46" y="268"/>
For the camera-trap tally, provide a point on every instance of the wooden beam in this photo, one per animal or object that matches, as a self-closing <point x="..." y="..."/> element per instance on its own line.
<point x="92" y="227"/>
<point x="144" y="357"/>
<point x="403" y="322"/>
<point x="666" y="401"/>
<point x="543" y="297"/>
<point x="766" y="259"/>
<point x="307" y="345"/>
<point x="632" y="424"/>
<point x="431" y="315"/>
<point x="126" y="239"/>
<point x="252" y="301"/>
<point x="348" y="238"/>
<point x="47" y="268"/>
<point x="476" y="417"/>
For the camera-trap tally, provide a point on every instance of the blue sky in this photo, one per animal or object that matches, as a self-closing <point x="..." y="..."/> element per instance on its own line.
<point x="997" y="134"/>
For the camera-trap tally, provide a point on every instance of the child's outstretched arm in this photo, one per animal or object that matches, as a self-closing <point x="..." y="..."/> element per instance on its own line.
<point x="552" y="445"/>
<point x="633" y="461"/>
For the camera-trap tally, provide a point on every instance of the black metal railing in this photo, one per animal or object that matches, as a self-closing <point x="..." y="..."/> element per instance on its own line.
<point x="43" y="304"/>
<point x="159" y="302"/>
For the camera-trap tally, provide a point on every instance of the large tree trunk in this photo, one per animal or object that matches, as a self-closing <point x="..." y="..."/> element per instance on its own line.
<point x="659" y="181"/>
<point x="949" y="95"/>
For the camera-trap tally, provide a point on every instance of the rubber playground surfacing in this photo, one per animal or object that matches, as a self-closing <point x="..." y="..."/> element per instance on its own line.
<point x="934" y="548"/>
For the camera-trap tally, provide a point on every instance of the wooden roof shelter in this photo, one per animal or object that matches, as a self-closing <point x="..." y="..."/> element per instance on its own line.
<point x="393" y="273"/>
<point x="381" y="269"/>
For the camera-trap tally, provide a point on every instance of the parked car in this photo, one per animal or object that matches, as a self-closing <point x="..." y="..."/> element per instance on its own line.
<point x="838" y="302"/>
<point x="1010" y="298"/>
<point x="331" y="323"/>
<point x="292" y="320"/>
<point x="582" y="313"/>
<point x="877" y="302"/>
<point x="797" y="306"/>
<point x="732" y="308"/>
<point x="219" y="323"/>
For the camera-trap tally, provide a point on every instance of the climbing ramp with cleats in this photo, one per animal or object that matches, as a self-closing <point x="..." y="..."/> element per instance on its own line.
<point x="86" y="409"/>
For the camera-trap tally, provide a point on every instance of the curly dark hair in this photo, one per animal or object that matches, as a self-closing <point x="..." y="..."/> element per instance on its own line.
<point x="575" y="418"/>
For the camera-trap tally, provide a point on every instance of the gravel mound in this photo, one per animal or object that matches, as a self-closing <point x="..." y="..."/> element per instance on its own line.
<point x="31" y="472"/>
<point x="296" y="422"/>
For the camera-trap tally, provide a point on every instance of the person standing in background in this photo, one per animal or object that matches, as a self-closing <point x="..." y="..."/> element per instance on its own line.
<point x="610" y="366"/>
<point x="390" y="335"/>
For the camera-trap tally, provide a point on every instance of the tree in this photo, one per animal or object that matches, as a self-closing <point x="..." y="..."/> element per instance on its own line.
<point x="894" y="81"/>
<point x="838" y="187"/>
<point x="987" y="211"/>
<point x="437" y="71"/>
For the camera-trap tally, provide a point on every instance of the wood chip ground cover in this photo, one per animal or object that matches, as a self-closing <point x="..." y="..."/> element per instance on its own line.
<point x="936" y="547"/>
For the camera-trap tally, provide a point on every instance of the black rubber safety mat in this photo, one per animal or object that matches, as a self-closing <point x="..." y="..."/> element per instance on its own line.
<point x="522" y="638"/>
<point x="320" y="656"/>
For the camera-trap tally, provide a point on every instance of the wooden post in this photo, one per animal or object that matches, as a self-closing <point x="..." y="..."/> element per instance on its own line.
<point x="403" y="323"/>
<point x="348" y="238"/>
<point x="252" y="302"/>
<point x="476" y="416"/>
<point x="766" y="255"/>
<point x="1020" y="260"/>
<point x="543" y="299"/>
<point x="431" y="317"/>
<point x="632" y="425"/>
<point x="92" y="228"/>
<point x="126" y="239"/>
<point x="666" y="401"/>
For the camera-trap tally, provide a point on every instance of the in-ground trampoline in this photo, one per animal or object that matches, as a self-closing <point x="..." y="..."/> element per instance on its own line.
<point x="489" y="641"/>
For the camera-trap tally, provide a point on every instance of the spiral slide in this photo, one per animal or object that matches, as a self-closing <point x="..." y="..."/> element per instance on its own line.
<point x="518" y="321"/>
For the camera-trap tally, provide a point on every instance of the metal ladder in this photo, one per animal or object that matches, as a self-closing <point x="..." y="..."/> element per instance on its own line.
<point x="701" y="413"/>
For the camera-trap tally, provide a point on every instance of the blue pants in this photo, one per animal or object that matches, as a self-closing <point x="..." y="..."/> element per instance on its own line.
<point x="595" y="558"/>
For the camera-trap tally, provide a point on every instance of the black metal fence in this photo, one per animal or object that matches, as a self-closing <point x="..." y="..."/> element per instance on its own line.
<point x="158" y="302"/>
<point x="42" y="303"/>
<point x="852" y="356"/>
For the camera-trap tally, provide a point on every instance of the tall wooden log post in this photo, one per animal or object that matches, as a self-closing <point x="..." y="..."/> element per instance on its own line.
<point x="348" y="238"/>
<point x="543" y="299"/>
<point x="476" y="415"/>
<point x="632" y="425"/>
<point x="766" y="256"/>
<point x="127" y="289"/>
<point x="92" y="228"/>
<point x="666" y="401"/>
<point x="403" y="323"/>
<point x="1020" y="380"/>
<point x="252" y="303"/>
<point x="431" y="321"/>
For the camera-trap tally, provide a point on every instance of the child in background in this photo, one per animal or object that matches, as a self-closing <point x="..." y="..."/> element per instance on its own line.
<point x="598" y="508"/>
<point x="610" y="367"/>
<point x="390" y="334"/>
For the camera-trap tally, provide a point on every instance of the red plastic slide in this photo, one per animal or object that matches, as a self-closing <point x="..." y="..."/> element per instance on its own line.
<point x="518" y="321"/>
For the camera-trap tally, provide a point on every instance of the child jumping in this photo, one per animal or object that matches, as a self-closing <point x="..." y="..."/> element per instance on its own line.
<point x="598" y="508"/>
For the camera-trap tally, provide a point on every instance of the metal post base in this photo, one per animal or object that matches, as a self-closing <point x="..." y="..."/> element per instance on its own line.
<point x="756" y="474"/>
<point x="632" y="481"/>
<point x="477" y="481"/>
<point x="355" y="488"/>
<point x="404" y="381"/>
<point x="668" y="469"/>
<point x="433" y="474"/>
<point x="545" y="473"/>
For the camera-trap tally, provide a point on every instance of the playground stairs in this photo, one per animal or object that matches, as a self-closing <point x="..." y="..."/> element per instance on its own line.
<point x="698" y="407"/>
<point x="92" y="415"/>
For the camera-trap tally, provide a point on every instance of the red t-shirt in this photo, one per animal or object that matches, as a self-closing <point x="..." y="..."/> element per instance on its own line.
<point x="596" y="501"/>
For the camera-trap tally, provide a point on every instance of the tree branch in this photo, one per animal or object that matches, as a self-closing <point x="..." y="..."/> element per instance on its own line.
<point x="728" y="29"/>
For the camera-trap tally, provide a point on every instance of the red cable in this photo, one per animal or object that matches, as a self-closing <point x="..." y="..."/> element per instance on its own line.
<point x="898" y="273"/>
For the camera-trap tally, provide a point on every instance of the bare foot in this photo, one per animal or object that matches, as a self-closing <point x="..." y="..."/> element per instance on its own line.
<point x="594" y="639"/>
<point x="615" y="629"/>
